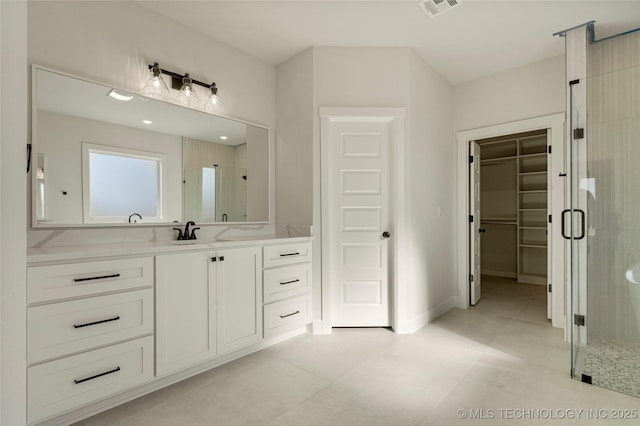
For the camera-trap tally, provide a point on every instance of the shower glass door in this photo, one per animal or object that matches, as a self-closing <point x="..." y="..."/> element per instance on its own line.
<point x="604" y="220"/>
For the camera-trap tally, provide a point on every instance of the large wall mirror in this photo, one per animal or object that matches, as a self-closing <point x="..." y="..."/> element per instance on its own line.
<point x="103" y="157"/>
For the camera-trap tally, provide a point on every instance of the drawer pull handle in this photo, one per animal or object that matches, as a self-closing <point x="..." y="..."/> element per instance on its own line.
<point x="289" y="282"/>
<point x="295" y="253"/>
<point x="77" y="382"/>
<point x="291" y="314"/>
<point x="96" y="322"/>
<point x="102" y="277"/>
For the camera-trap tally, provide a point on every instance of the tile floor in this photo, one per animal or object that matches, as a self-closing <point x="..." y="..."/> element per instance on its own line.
<point x="500" y="362"/>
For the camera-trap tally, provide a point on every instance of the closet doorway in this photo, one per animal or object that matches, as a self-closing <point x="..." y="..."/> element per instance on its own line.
<point x="510" y="217"/>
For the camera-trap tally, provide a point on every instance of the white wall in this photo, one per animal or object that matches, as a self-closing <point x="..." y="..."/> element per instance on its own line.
<point x="13" y="214"/>
<point x="113" y="42"/>
<point x="60" y="140"/>
<point x="430" y="190"/>
<point x="294" y="140"/>
<point x="525" y="92"/>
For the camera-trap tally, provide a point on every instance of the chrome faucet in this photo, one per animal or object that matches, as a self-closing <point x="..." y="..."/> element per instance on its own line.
<point x="134" y="214"/>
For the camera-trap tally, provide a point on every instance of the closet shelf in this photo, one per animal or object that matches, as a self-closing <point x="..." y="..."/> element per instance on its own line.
<point x="543" y="172"/>
<point x="497" y="222"/>
<point x="533" y="227"/>
<point x="532" y="191"/>
<point x="544" y="246"/>
<point x="533" y="210"/>
<point x="541" y="154"/>
<point x="510" y="159"/>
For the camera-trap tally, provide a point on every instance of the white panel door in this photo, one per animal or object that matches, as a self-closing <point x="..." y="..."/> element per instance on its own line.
<point x="185" y="311"/>
<point x="359" y="220"/>
<point x="474" y="225"/>
<point x="238" y="277"/>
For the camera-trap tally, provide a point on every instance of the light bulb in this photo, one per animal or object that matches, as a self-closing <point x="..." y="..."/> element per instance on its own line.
<point x="213" y="98"/>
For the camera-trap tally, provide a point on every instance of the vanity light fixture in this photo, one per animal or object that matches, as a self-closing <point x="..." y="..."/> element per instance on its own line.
<point x="155" y="87"/>
<point x="119" y="95"/>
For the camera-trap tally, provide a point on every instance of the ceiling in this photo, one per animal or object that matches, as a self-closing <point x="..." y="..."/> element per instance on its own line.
<point x="474" y="39"/>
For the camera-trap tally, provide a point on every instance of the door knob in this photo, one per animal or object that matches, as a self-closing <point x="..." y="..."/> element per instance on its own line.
<point x="386" y="234"/>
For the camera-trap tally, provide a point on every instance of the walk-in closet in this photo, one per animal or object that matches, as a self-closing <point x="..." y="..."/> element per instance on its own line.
<point x="514" y="202"/>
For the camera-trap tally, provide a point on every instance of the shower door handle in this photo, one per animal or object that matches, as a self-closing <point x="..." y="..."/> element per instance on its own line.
<point x="562" y="223"/>
<point x="583" y="223"/>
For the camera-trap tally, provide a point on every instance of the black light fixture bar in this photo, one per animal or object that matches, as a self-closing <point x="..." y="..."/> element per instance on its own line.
<point x="176" y="79"/>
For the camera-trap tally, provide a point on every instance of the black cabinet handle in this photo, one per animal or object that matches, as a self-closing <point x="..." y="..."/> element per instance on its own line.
<point x="78" y="381"/>
<point x="221" y="258"/>
<point x="96" y="322"/>
<point x="291" y="314"/>
<point x="102" y="277"/>
<point x="289" y="282"/>
<point x="290" y="254"/>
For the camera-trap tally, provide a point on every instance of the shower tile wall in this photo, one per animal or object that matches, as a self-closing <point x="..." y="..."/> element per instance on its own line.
<point x="613" y="98"/>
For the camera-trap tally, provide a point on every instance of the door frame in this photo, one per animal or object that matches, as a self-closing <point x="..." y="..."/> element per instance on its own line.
<point x="397" y="215"/>
<point x="555" y="122"/>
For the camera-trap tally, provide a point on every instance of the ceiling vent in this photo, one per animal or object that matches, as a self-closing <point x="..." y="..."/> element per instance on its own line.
<point x="437" y="7"/>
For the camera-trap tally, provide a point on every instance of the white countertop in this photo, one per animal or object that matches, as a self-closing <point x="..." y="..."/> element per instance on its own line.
<point x="147" y="248"/>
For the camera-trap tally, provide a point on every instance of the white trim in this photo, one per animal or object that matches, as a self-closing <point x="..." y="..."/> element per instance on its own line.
<point x="414" y="324"/>
<point x="555" y="122"/>
<point x="395" y="116"/>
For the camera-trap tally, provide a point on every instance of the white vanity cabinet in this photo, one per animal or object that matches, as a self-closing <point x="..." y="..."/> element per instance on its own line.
<point x="207" y="304"/>
<point x="89" y="332"/>
<point x="287" y="287"/>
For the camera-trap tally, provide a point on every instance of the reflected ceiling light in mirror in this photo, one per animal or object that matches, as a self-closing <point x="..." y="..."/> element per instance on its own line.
<point x="187" y="96"/>
<point x="155" y="85"/>
<point x="120" y="95"/>
<point x="224" y="138"/>
<point x="147" y="121"/>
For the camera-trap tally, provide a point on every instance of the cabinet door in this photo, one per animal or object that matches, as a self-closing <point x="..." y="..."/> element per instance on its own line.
<point x="238" y="276"/>
<point x="185" y="311"/>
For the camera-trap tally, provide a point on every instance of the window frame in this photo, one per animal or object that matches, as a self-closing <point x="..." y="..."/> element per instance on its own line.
<point x="161" y="161"/>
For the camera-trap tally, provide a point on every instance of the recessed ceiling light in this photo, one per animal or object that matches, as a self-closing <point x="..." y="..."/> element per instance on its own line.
<point x="147" y="121"/>
<point x="224" y="138"/>
<point x="121" y="96"/>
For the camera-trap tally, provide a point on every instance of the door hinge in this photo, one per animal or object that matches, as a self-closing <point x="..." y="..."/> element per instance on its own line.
<point x="549" y="288"/>
<point x="549" y="149"/>
<point x="471" y="218"/>
<point x="549" y="218"/>
<point x="578" y="133"/>
<point x="471" y="278"/>
<point x="471" y="159"/>
<point x="578" y="320"/>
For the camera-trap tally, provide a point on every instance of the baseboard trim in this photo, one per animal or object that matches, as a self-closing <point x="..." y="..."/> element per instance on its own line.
<point x="415" y="324"/>
<point x="500" y="274"/>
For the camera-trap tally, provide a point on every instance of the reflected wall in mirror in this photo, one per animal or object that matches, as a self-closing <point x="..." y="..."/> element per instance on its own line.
<point x="100" y="159"/>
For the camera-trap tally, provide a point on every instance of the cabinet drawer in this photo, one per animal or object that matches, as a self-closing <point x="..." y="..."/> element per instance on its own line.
<point x="281" y="283"/>
<point x="58" y="329"/>
<point x="286" y="254"/>
<point x="286" y="315"/>
<point x="46" y="283"/>
<point x="67" y="383"/>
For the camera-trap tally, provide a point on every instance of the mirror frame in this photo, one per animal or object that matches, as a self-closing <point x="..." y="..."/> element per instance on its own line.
<point x="33" y="154"/>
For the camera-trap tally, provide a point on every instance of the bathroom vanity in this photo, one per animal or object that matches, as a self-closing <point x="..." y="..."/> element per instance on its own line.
<point x="108" y="323"/>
